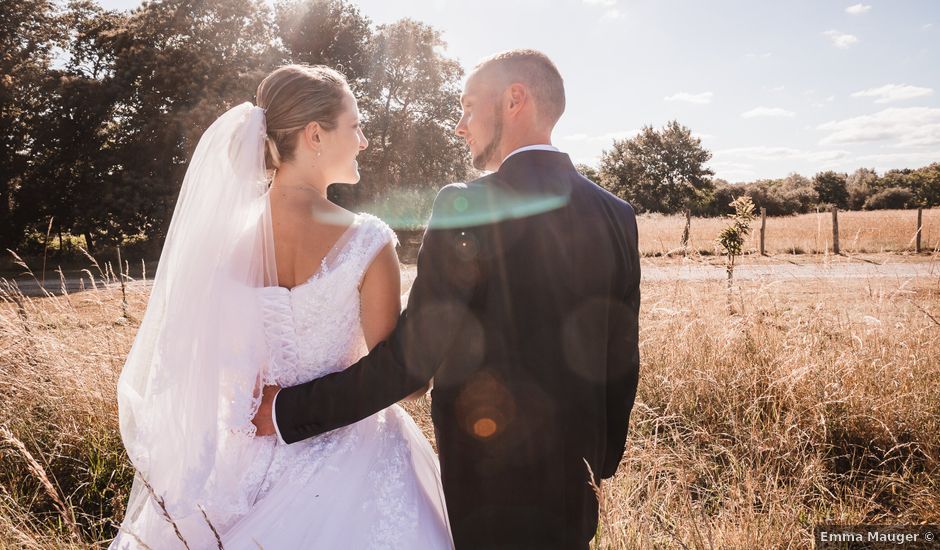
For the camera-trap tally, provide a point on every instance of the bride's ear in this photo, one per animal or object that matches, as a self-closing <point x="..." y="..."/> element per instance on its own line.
<point x="312" y="135"/>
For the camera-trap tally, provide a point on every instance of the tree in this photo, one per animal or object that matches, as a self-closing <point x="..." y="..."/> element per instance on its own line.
<point x="326" y="32"/>
<point x="901" y="179"/>
<point x="860" y="185"/>
<point x="926" y="185"/>
<point x="410" y="106"/>
<point x="718" y="203"/>
<point x="29" y="30"/>
<point x="180" y="64"/>
<point x="731" y="238"/>
<point x="70" y="158"/>
<point x="890" y="198"/>
<point x="588" y="171"/>
<point x="658" y="170"/>
<point x="831" y="188"/>
<point x="796" y="195"/>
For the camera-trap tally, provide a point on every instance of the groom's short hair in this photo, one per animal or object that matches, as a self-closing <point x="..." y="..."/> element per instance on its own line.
<point x="536" y="71"/>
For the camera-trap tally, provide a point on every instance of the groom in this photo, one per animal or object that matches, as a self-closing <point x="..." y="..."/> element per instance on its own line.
<point x="524" y="311"/>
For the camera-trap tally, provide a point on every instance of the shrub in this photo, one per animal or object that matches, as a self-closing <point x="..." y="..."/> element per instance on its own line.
<point x="889" y="199"/>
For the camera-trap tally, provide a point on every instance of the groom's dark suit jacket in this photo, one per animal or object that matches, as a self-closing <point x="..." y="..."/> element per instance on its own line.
<point x="524" y="311"/>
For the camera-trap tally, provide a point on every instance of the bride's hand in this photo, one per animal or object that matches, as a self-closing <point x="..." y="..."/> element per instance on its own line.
<point x="263" y="421"/>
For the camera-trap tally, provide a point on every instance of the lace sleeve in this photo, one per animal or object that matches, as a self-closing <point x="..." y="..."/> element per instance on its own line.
<point x="372" y="236"/>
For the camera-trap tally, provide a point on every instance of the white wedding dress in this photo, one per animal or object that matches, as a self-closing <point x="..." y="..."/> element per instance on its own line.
<point x="373" y="484"/>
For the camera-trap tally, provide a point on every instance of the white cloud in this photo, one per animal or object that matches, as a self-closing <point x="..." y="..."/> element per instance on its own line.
<point x="605" y="3"/>
<point x="764" y="55"/>
<point x="857" y="9"/>
<point x="766" y="153"/>
<point x="840" y="39"/>
<point x="894" y="92"/>
<point x="904" y="127"/>
<point x="768" y="112"/>
<point x="927" y="26"/>
<point x="613" y="14"/>
<point x="576" y="137"/>
<point x="700" y="99"/>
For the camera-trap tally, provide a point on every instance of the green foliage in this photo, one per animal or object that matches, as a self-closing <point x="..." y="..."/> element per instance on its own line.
<point x="860" y="185"/>
<point x="781" y="197"/>
<point x="29" y="30"/>
<point x="99" y="142"/>
<point x="589" y="172"/>
<point x="731" y="239"/>
<point x="411" y="106"/>
<point x="889" y="198"/>
<point x="925" y="185"/>
<point x="658" y="170"/>
<point x="863" y="189"/>
<point x="179" y="65"/>
<point x="831" y="188"/>
<point x="327" y="32"/>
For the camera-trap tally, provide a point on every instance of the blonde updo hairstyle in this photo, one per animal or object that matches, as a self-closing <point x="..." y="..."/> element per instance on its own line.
<point x="293" y="96"/>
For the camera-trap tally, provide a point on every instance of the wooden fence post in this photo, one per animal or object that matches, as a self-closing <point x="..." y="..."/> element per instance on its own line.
<point x="763" y="228"/>
<point x="920" y="229"/>
<point x="835" y="230"/>
<point x="688" y="228"/>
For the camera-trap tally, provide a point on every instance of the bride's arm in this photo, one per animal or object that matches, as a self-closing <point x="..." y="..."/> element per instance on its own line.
<point x="380" y="294"/>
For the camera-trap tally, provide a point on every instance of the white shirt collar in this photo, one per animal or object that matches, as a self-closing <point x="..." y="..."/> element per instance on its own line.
<point x="540" y="147"/>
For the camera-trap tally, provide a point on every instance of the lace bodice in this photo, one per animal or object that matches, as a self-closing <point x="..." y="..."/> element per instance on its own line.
<point x="315" y="328"/>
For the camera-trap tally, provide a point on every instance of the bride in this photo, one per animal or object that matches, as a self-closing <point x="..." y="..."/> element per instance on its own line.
<point x="270" y="284"/>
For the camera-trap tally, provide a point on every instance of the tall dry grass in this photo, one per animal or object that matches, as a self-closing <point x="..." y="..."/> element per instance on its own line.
<point x="814" y="401"/>
<point x="64" y="475"/>
<point x="859" y="232"/>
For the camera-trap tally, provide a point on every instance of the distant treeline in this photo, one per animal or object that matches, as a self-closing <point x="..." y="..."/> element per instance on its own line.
<point x="863" y="189"/>
<point x="664" y="170"/>
<point x="100" y="110"/>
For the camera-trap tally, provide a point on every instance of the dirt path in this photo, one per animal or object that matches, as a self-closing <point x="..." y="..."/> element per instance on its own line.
<point x="793" y="271"/>
<point x="844" y="268"/>
<point x="803" y="267"/>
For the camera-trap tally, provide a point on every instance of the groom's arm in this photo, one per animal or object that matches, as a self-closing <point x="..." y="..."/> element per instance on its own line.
<point x="407" y="360"/>
<point x="623" y="359"/>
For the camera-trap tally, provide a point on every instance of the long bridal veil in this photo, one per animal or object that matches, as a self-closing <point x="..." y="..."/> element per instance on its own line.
<point x="192" y="380"/>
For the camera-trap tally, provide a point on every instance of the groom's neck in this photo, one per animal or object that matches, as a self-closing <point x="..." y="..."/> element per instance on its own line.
<point x="511" y="143"/>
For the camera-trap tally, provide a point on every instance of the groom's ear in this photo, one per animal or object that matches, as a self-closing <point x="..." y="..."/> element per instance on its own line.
<point x="518" y="96"/>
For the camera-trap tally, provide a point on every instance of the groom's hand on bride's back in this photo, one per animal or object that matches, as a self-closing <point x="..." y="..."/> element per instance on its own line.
<point x="264" y="420"/>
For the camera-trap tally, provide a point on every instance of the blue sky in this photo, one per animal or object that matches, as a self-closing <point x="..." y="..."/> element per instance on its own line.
<point x="770" y="87"/>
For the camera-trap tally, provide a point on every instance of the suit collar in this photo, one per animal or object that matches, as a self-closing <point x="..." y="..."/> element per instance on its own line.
<point x="537" y="159"/>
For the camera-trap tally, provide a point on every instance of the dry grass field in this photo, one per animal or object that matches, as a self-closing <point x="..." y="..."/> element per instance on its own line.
<point x="875" y="231"/>
<point x="809" y="402"/>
